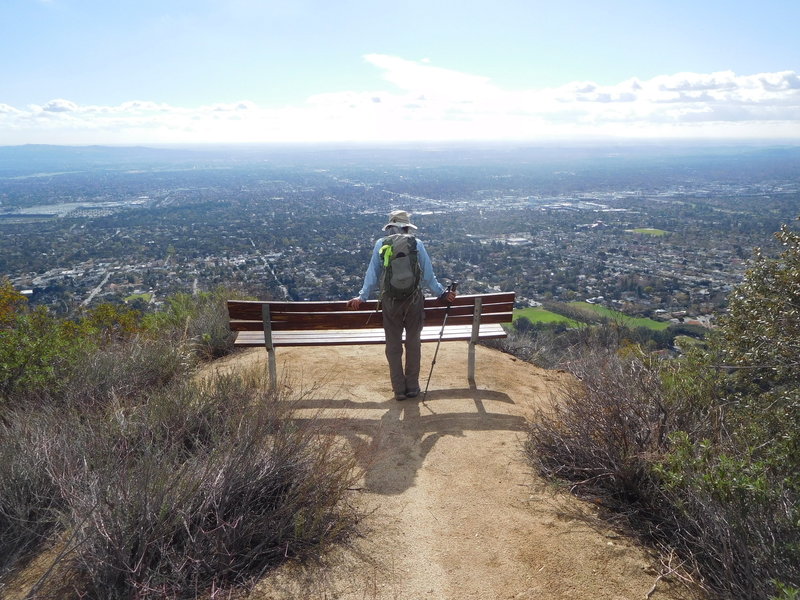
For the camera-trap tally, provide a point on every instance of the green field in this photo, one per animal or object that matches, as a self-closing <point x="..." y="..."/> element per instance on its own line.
<point x="687" y="342"/>
<point x="540" y="315"/>
<point x="145" y="297"/>
<point x="622" y="317"/>
<point x="649" y="231"/>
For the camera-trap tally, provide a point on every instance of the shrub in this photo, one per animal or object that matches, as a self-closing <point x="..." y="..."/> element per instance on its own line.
<point x="552" y="345"/>
<point x="759" y="342"/>
<point x="171" y="491"/>
<point x="36" y="351"/>
<point x="729" y="517"/>
<point x="201" y="319"/>
<point x="11" y="302"/>
<point x="42" y="356"/>
<point x="599" y="434"/>
<point x="155" y="482"/>
<point x="646" y="441"/>
<point x="129" y="368"/>
<point x="700" y="455"/>
<point x="762" y="328"/>
<point x="30" y="503"/>
<point x="111" y="322"/>
<point x="199" y="487"/>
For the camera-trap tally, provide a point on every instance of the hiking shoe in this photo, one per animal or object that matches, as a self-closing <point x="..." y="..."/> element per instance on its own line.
<point x="399" y="397"/>
<point x="412" y="393"/>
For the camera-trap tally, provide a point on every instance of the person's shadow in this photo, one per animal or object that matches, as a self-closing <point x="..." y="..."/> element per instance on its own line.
<point x="392" y="449"/>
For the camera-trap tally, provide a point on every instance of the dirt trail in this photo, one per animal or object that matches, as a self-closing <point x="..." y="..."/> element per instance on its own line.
<point x="454" y="511"/>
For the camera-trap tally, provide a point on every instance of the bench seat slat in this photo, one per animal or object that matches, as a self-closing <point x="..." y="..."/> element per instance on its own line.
<point x="361" y="336"/>
<point x="427" y="332"/>
<point x="356" y="321"/>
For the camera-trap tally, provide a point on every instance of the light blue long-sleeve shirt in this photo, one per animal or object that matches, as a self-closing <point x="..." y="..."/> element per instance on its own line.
<point x="372" y="278"/>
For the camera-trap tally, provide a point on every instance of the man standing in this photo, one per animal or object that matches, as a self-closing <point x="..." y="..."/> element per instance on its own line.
<point x="400" y="311"/>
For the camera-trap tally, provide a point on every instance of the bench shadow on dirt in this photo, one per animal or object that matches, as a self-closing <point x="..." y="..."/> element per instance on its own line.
<point x="392" y="449"/>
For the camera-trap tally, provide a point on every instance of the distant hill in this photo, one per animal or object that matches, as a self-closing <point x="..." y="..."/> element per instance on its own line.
<point x="673" y="159"/>
<point x="31" y="159"/>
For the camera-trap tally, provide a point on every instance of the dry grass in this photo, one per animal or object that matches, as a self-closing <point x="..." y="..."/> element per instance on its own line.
<point x="624" y="440"/>
<point x="159" y="485"/>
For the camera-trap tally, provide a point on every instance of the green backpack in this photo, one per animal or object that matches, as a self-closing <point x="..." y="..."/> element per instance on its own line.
<point x="401" y="272"/>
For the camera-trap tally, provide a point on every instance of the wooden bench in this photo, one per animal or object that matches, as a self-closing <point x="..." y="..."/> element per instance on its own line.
<point x="273" y="323"/>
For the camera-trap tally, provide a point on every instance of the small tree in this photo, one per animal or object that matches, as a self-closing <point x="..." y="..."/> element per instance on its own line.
<point x="762" y="331"/>
<point x="749" y="479"/>
<point x="760" y="340"/>
<point x="11" y="302"/>
<point x="113" y="321"/>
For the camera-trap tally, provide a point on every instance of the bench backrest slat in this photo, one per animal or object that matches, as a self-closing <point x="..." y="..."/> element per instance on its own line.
<point x="285" y="316"/>
<point x="251" y="309"/>
<point x="369" y="319"/>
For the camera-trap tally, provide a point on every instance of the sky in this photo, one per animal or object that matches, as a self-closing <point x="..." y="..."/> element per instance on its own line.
<point x="228" y="71"/>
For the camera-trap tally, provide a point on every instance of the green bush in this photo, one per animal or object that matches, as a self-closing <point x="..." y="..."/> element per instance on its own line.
<point x="759" y="343"/>
<point x="200" y="319"/>
<point x="112" y="322"/>
<point x="702" y="454"/>
<point x="46" y="356"/>
<point x="37" y="351"/>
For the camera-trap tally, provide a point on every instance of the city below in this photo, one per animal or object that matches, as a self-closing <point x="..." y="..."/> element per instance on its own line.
<point x="659" y="231"/>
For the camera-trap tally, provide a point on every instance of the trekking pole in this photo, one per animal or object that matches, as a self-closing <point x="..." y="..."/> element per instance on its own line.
<point x="374" y="312"/>
<point x="450" y="288"/>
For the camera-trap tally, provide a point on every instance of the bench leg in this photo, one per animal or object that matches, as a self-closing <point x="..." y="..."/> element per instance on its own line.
<point x="273" y="370"/>
<point x="471" y="362"/>
<point x="267" y="322"/>
<point x="476" y="328"/>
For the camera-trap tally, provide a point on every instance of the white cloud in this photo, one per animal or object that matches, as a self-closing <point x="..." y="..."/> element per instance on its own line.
<point x="421" y="77"/>
<point x="696" y="81"/>
<point x="786" y="80"/>
<point x="60" y="105"/>
<point x="424" y="102"/>
<point x="232" y="107"/>
<point x="140" y="106"/>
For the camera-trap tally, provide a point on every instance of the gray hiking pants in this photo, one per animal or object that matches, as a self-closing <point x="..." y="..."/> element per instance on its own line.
<point x="399" y="315"/>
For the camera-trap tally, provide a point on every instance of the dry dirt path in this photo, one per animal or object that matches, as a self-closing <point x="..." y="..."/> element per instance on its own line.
<point x="454" y="512"/>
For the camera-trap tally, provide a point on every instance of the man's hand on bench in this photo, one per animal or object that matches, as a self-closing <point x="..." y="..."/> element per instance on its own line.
<point x="354" y="304"/>
<point x="447" y="297"/>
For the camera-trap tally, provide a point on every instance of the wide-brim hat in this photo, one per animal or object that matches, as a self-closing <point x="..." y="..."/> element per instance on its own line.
<point x="399" y="218"/>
